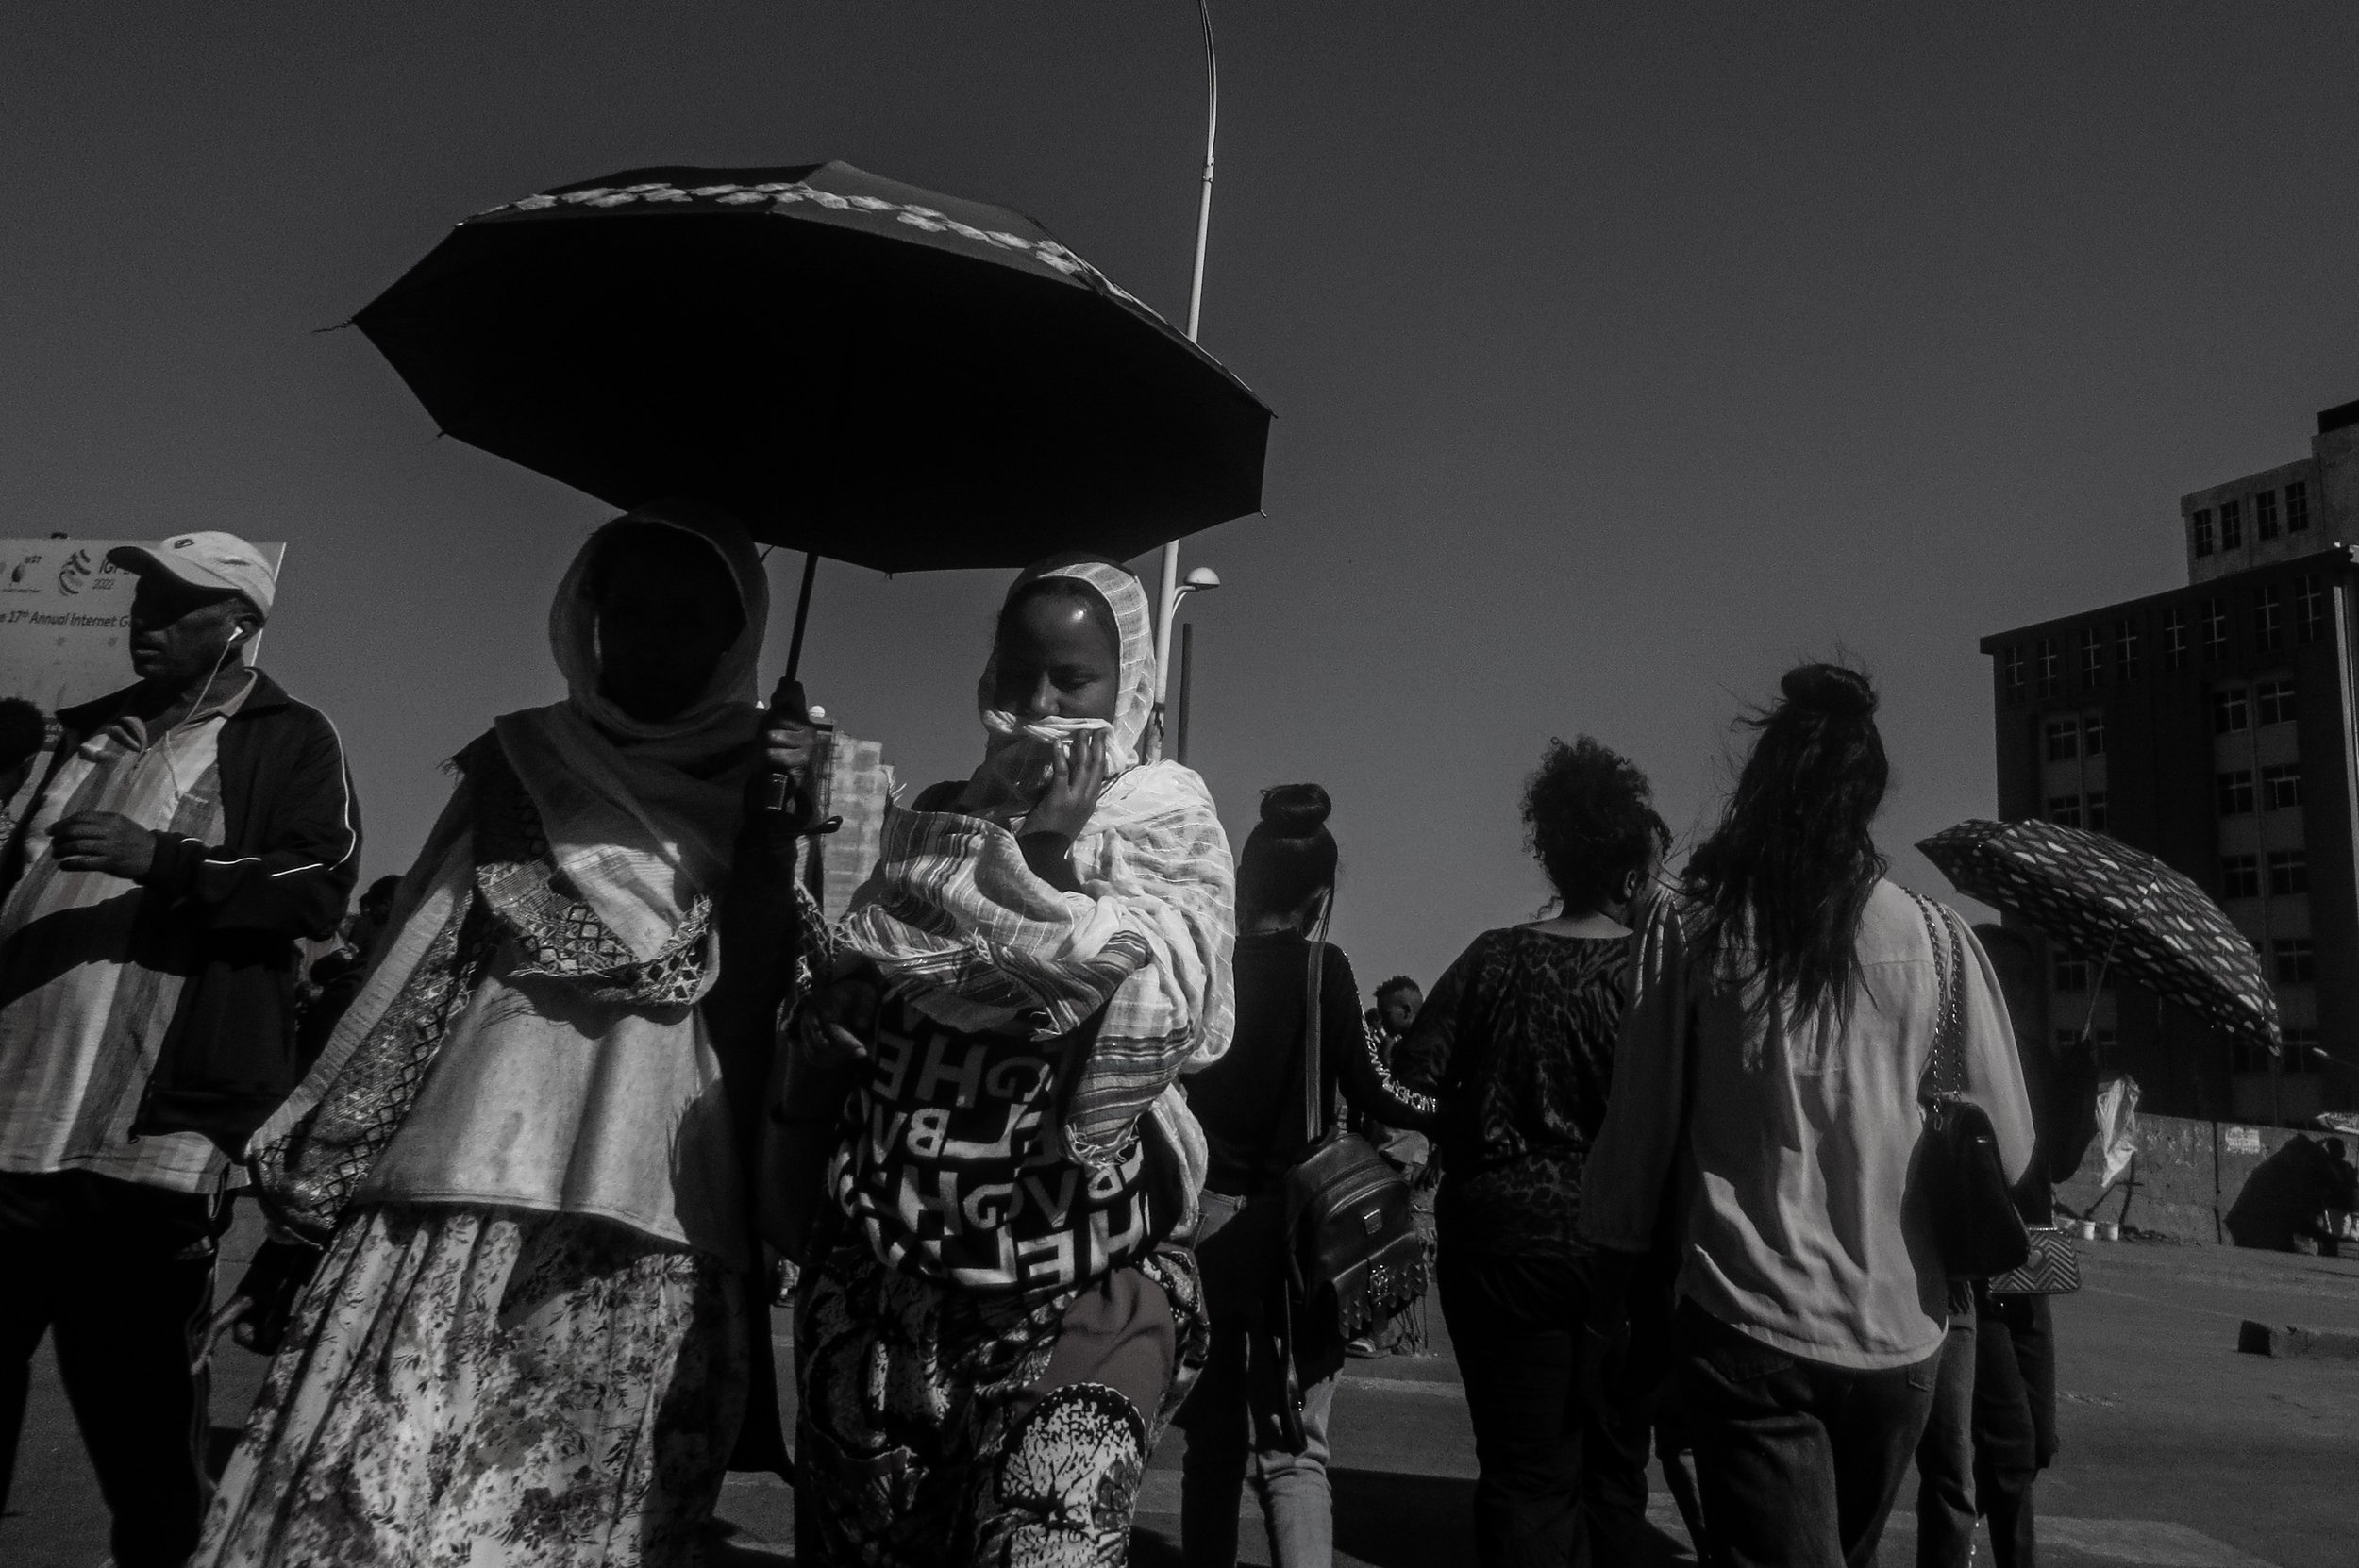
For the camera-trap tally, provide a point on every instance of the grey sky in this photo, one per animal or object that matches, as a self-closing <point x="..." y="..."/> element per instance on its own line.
<point x="1621" y="354"/>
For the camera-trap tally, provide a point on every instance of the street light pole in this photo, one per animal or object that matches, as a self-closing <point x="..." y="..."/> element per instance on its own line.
<point x="1169" y="591"/>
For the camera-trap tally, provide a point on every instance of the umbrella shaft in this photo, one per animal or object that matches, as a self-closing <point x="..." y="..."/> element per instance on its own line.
<point x="802" y="614"/>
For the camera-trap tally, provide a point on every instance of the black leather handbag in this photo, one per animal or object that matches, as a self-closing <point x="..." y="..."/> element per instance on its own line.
<point x="1354" y="1253"/>
<point x="1958" y="1169"/>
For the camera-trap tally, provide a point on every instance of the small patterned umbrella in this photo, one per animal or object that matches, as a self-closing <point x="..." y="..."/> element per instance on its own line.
<point x="2112" y="902"/>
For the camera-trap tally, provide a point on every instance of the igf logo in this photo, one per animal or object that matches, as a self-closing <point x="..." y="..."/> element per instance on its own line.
<point x="74" y="573"/>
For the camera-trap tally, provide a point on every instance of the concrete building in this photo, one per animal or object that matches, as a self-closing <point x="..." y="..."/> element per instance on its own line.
<point x="2217" y="726"/>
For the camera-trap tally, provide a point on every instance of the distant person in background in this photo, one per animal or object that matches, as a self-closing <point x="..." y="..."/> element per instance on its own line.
<point x="1251" y="1105"/>
<point x="1993" y="1428"/>
<point x="1409" y="1152"/>
<point x="1788" y="1007"/>
<point x="181" y="837"/>
<point x="23" y="733"/>
<point x="1396" y="1004"/>
<point x="335" y="978"/>
<point x="1516" y="1046"/>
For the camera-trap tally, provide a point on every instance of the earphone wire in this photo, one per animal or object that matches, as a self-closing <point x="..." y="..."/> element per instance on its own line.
<point x="164" y="743"/>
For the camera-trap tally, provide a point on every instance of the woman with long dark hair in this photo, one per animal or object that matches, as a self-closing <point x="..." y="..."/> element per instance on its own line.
<point x="1789" y="1006"/>
<point x="1250" y="1104"/>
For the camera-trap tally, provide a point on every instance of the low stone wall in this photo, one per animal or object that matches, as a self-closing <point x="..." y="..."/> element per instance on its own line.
<point x="2211" y="1183"/>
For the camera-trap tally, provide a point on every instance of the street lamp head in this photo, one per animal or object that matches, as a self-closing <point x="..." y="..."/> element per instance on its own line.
<point x="1203" y="576"/>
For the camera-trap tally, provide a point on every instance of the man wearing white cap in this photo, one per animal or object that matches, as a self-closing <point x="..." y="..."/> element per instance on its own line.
<point x="186" y="832"/>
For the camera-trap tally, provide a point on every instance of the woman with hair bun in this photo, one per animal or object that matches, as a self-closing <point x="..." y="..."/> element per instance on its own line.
<point x="1788" y="1010"/>
<point x="1515" y="1044"/>
<point x="1250" y="1104"/>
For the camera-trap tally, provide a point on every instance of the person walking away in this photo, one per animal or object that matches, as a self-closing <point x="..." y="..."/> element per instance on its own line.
<point x="999" y="1313"/>
<point x="1250" y="1104"/>
<point x="1993" y="1430"/>
<point x="1516" y="1046"/>
<point x="1788" y="1009"/>
<point x="537" y="1328"/>
<point x="182" y="836"/>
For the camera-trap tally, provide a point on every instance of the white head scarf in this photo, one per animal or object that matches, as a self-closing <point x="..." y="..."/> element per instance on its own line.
<point x="642" y="816"/>
<point x="1019" y="753"/>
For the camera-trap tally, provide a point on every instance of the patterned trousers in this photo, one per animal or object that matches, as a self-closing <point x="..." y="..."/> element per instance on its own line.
<point x="941" y="1426"/>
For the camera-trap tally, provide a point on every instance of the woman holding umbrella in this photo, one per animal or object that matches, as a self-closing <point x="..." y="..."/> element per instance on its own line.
<point x="534" y="1336"/>
<point x="994" y="1326"/>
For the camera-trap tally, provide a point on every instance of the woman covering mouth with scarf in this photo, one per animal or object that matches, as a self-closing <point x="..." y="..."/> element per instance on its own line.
<point x="537" y="1331"/>
<point x="996" y="1322"/>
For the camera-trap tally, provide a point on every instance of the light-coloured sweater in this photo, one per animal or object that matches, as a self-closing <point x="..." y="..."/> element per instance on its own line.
<point x="1800" y="1228"/>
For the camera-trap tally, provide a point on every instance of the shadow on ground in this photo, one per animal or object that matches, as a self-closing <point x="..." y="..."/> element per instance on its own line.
<point x="1388" y="1519"/>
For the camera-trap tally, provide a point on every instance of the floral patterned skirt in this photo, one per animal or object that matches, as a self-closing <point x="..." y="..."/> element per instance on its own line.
<point x="943" y="1428"/>
<point x="490" y="1387"/>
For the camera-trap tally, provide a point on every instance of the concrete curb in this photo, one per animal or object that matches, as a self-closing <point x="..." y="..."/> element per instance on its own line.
<point x="2259" y="1339"/>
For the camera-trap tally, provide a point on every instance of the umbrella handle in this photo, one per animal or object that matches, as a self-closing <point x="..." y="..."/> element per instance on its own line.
<point x="2097" y="988"/>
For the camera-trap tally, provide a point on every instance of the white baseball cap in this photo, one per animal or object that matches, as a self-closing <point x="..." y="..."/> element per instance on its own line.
<point x="212" y="559"/>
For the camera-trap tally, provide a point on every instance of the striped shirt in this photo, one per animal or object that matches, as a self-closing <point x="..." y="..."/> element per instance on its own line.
<point x="82" y="1023"/>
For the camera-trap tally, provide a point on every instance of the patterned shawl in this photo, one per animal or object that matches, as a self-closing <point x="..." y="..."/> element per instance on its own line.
<point x="956" y="919"/>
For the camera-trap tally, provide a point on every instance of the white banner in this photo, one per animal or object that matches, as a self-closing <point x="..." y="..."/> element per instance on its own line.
<point x="65" y="616"/>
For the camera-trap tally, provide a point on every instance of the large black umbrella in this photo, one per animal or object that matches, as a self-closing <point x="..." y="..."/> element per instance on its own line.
<point x="856" y="367"/>
<point x="2109" y="902"/>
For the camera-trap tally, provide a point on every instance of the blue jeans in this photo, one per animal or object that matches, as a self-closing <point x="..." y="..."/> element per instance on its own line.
<point x="1945" y="1454"/>
<point x="1230" y="1439"/>
<point x="1798" y="1462"/>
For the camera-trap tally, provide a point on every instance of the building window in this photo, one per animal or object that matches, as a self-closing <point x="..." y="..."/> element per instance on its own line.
<point x="2126" y="648"/>
<point x="2064" y="739"/>
<point x="2092" y="657"/>
<point x="2231" y="527"/>
<point x="2202" y="525"/>
<point x="2289" y="872"/>
<point x="2012" y="664"/>
<point x="2214" y="616"/>
<point x="2264" y="516"/>
<point x="2064" y="810"/>
<point x="2297" y="506"/>
<point x="2047" y="668"/>
<point x="2093" y="810"/>
<point x="2268" y="617"/>
<point x="2234" y="792"/>
<point x="2231" y="713"/>
<point x="2092" y="735"/>
<point x="2175" y="637"/>
<point x="2297" y="960"/>
<point x="2072" y="975"/>
<point x="2239" y="876"/>
<point x="2274" y="701"/>
<point x="2281" y="787"/>
<point x="2309" y="607"/>
<point x="2302" y="1050"/>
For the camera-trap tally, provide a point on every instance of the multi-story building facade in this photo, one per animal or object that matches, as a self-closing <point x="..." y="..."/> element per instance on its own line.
<point x="2217" y="726"/>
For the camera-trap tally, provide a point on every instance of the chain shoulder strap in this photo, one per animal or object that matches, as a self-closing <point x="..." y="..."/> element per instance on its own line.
<point x="1945" y="1075"/>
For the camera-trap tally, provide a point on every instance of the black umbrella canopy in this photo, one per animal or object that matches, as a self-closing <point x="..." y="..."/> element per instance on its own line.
<point x="856" y="367"/>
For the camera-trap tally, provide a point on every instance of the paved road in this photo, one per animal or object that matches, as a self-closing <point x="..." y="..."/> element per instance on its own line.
<point x="2179" y="1453"/>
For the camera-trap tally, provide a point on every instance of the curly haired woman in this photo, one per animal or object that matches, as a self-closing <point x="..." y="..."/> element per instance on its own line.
<point x="1516" y="1042"/>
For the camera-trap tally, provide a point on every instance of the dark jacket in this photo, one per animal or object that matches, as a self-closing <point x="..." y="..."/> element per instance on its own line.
<point x="228" y="915"/>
